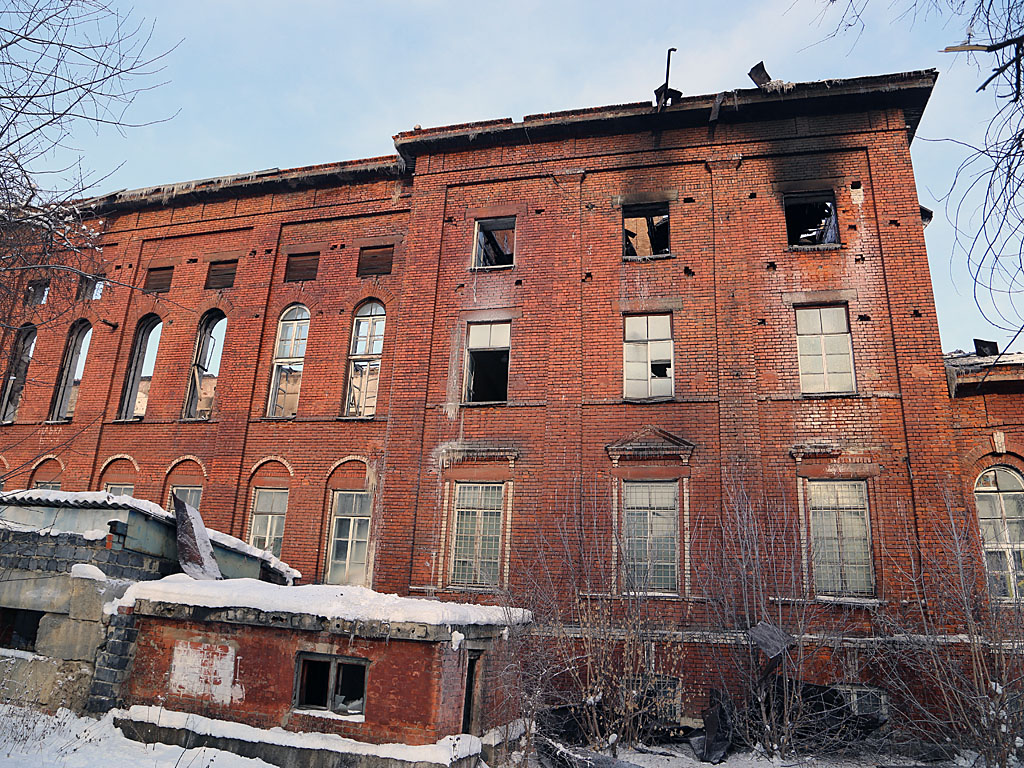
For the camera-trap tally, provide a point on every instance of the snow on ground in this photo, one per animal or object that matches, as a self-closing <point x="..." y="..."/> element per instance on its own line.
<point x="681" y="756"/>
<point x="31" y="739"/>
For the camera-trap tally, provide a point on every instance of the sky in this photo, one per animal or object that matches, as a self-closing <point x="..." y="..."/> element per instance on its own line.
<point x="256" y="84"/>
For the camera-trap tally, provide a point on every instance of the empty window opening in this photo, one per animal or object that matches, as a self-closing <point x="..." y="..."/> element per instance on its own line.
<point x="269" y="506"/>
<point x="289" y="353"/>
<point x="190" y="494"/>
<point x="495" y="242"/>
<point x="17" y="372"/>
<point x="158" y="280"/>
<point x="841" y="538"/>
<point x="37" y="292"/>
<point x="202" y="384"/>
<point x="645" y="231"/>
<point x="331" y="683"/>
<point x="350" y="539"/>
<point x="375" y="261"/>
<point x="647" y="352"/>
<point x="221" y="274"/>
<point x="301" y="266"/>
<point x="19" y="628"/>
<point x="364" y="360"/>
<point x="69" y="380"/>
<point x="487" y="362"/>
<point x="825" y="350"/>
<point x="90" y="288"/>
<point x="469" y="701"/>
<point x="135" y="398"/>
<point x="811" y="219"/>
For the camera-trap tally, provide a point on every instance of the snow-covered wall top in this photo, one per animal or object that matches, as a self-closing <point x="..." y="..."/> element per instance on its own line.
<point x="324" y="600"/>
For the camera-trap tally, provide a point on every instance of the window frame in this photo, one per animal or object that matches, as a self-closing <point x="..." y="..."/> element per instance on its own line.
<point x="133" y="377"/>
<point x="355" y="405"/>
<point x="628" y="584"/>
<point x="645" y="211"/>
<point x="491" y="224"/>
<point x="66" y="390"/>
<point x="256" y="491"/>
<point x="1014" y="573"/>
<point x="23" y="347"/>
<point x="470" y="364"/>
<point x="648" y="362"/>
<point x="107" y="487"/>
<point x="842" y="562"/>
<point x="806" y="198"/>
<point x="365" y="501"/>
<point x="822" y="353"/>
<point x="172" y="492"/>
<point x="499" y="543"/>
<point x="335" y="662"/>
<point x="280" y="362"/>
<point x="201" y="354"/>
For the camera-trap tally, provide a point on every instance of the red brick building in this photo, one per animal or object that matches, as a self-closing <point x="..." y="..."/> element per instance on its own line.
<point x="409" y="372"/>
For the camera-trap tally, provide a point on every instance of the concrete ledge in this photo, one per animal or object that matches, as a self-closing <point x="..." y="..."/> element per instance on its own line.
<point x="67" y="639"/>
<point x="35" y="591"/>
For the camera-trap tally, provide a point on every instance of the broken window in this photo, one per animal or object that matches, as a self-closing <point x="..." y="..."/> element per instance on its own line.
<point x="350" y="538"/>
<point x="999" y="497"/>
<point x="69" y="380"/>
<point x="37" y="292"/>
<point x="645" y="231"/>
<point x="135" y="398"/>
<point x="158" y="280"/>
<point x="289" y="352"/>
<point x="90" y="288"/>
<point x="487" y="348"/>
<point x="841" y="541"/>
<point x="811" y="218"/>
<point x="202" y="384"/>
<point x="476" y="546"/>
<point x="650" y="513"/>
<point x="190" y="494"/>
<point x="865" y="701"/>
<point x="825" y="350"/>
<point x="19" y="628"/>
<point x="221" y="274"/>
<point x="120" y="489"/>
<point x="495" y="242"/>
<point x="331" y="683"/>
<point x="364" y="360"/>
<point x="375" y="261"/>
<point x="301" y="266"/>
<point x="17" y="372"/>
<point x="269" y="506"/>
<point x="647" y="357"/>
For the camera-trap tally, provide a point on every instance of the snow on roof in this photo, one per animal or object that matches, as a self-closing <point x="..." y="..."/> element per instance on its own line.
<point x="965" y="360"/>
<point x="326" y="600"/>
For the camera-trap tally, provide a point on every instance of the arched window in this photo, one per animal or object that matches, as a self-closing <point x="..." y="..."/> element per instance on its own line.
<point x="202" y="383"/>
<point x="364" y="360"/>
<point x="17" y="372"/>
<point x="140" y="368"/>
<point x="289" y="351"/>
<point x="999" y="497"/>
<point x="65" y="394"/>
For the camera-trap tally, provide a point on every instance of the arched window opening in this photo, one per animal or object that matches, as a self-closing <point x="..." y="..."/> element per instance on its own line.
<point x="202" y="383"/>
<point x="17" y="372"/>
<point x="999" y="497"/>
<point x="364" y="360"/>
<point x="289" y="351"/>
<point x="65" y="394"/>
<point x="140" y="368"/>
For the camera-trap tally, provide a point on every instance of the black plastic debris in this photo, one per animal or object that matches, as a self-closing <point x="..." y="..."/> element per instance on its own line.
<point x="711" y="744"/>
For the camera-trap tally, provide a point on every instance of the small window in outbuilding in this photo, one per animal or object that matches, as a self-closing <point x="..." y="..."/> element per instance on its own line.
<point x="645" y="231"/>
<point x="37" y="291"/>
<point x="158" y="280"/>
<point x="221" y="274"/>
<point x="301" y="266"/>
<point x="811" y="219"/>
<point x="487" y="348"/>
<point x="495" y="242"/>
<point x="331" y="683"/>
<point x="19" y="628"/>
<point x="375" y="261"/>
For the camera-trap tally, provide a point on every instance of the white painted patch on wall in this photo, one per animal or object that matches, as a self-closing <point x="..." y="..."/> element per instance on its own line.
<point x="205" y="671"/>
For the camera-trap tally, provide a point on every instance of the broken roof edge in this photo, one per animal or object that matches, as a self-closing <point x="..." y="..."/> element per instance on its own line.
<point x="908" y="89"/>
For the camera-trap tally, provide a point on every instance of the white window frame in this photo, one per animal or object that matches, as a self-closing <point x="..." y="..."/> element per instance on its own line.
<point x="365" y="353"/>
<point x="844" y="541"/>
<point x="468" y="550"/>
<point x="490" y="224"/>
<point x="1004" y="546"/>
<point x="358" y="512"/>
<point x="631" y="582"/>
<point x="498" y="338"/>
<point x="189" y="492"/>
<point x="830" y="351"/>
<point x="119" y="488"/>
<point x="289" y="354"/>
<point x="273" y="518"/>
<point x="642" y="352"/>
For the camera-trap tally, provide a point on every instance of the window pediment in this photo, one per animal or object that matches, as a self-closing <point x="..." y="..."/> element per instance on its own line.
<point x="650" y="443"/>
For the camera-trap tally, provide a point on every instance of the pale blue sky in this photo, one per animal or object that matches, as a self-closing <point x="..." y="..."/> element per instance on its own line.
<point x="258" y="84"/>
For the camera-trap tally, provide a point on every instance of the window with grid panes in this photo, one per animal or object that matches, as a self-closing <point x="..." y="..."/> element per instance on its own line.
<point x="840" y="537"/>
<point x="289" y="353"/>
<point x="364" y="360"/>
<point x="650" y="513"/>
<point x="350" y="538"/>
<point x="825" y="349"/>
<point x="476" y="546"/>
<point x="647" y="357"/>
<point x="190" y="494"/>
<point x="120" y="489"/>
<point x="269" y="506"/>
<point x="999" y="497"/>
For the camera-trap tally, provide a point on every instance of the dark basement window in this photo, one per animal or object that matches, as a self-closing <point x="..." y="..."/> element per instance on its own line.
<point x="221" y="274"/>
<point x="811" y="219"/>
<point x="645" y="231"/>
<point x="375" y="261"/>
<point x="19" y="628"/>
<point x="331" y="683"/>
<point x="495" y="242"/>
<point x="301" y="266"/>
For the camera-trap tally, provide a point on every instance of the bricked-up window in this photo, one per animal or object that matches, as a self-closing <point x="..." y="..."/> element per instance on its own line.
<point x="487" y="350"/>
<point x="332" y="683"/>
<point x="811" y="218"/>
<point x="476" y="543"/>
<point x="647" y="357"/>
<point x="69" y="379"/>
<point x="350" y="538"/>
<point x="289" y="353"/>
<point x="221" y="274"/>
<point x="190" y="494"/>
<point x="650" y="524"/>
<point x="645" y="231"/>
<point x="17" y="372"/>
<point x="269" y="506"/>
<point x="19" y="628"/>
<point x="120" y="489"/>
<point x="135" y="397"/>
<point x="375" y="261"/>
<point x="495" y="242"/>
<point x="158" y="280"/>
<point x="301" y="266"/>
<point x="999" y="497"/>
<point x="825" y="349"/>
<point x="37" y="292"/>
<point x="840" y="536"/>
<point x="364" y="360"/>
<point x="202" y="383"/>
<point x="90" y="288"/>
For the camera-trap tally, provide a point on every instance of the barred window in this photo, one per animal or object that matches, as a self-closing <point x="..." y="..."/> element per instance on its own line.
<point x="476" y="551"/>
<point x="651" y="533"/>
<point x="841" y="541"/>
<point x="999" y="497"/>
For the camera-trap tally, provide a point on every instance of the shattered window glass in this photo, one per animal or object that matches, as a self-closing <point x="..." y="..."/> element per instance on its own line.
<point x="647" y="357"/>
<point x="331" y="683"/>
<point x="495" y="242"/>
<point x="290" y="350"/>
<point x="364" y="359"/>
<point x="645" y="231"/>
<point x="811" y="219"/>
